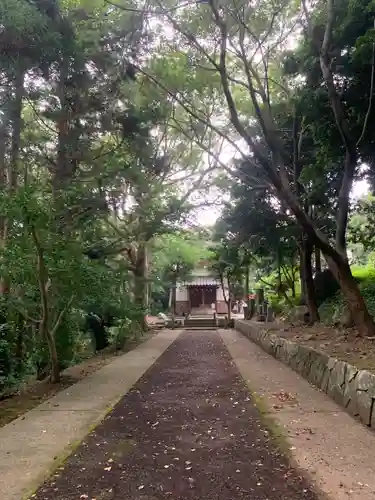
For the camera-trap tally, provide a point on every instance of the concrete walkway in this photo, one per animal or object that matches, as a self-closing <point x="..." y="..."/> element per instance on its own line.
<point x="334" y="449"/>
<point x="32" y="445"/>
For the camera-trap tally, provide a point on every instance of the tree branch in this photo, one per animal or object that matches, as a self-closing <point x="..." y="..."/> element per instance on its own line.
<point x="370" y="96"/>
<point x="61" y="315"/>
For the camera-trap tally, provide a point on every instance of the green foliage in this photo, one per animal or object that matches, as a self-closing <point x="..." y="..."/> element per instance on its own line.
<point x="334" y="308"/>
<point x="280" y="305"/>
<point x="362" y="223"/>
<point x="174" y="256"/>
<point x="228" y="262"/>
<point x="92" y="175"/>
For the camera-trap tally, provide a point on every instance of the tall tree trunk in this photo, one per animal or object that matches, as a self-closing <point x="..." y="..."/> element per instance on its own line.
<point x="229" y="307"/>
<point x="338" y="265"/>
<point x="276" y="169"/>
<point x="62" y="173"/>
<point x="3" y="187"/>
<point x="55" y="365"/>
<point x="140" y="283"/>
<point x="228" y="296"/>
<point x="174" y="297"/>
<point x="247" y="286"/>
<point x="348" y="141"/>
<point x="301" y="273"/>
<point x="44" y="330"/>
<point x="9" y="172"/>
<point x="349" y="287"/>
<point x="16" y="117"/>
<point x="318" y="260"/>
<point x="309" y="281"/>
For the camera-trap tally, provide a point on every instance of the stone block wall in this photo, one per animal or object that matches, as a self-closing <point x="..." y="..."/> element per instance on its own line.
<point x="351" y="388"/>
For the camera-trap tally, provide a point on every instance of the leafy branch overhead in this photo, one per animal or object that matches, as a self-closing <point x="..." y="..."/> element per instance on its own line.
<point x="93" y="171"/>
<point x="122" y="123"/>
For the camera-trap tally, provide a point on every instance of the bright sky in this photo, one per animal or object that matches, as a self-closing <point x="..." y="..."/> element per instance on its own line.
<point x="208" y="216"/>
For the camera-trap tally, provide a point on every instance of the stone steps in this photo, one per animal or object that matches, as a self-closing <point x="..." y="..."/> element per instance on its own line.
<point x="200" y="323"/>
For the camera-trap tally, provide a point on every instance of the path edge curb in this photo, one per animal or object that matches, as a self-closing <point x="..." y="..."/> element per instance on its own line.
<point x="348" y="386"/>
<point x="67" y="451"/>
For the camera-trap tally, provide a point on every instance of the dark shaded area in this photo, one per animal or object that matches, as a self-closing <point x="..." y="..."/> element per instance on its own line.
<point x="96" y="324"/>
<point x="188" y="430"/>
<point x="12" y="346"/>
<point x="325" y="286"/>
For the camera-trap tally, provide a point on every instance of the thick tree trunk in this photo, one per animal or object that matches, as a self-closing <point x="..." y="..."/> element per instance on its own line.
<point x="139" y="296"/>
<point x="355" y="302"/>
<point x="348" y="141"/>
<point x="229" y="308"/>
<point x="301" y="274"/>
<point x="55" y="365"/>
<point x="309" y="281"/>
<point x="16" y="117"/>
<point x="173" y="304"/>
<point x="343" y="202"/>
<point x="276" y="170"/>
<point x="140" y="283"/>
<point x="337" y="263"/>
<point x="3" y="189"/>
<point x="227" y="298"/>
<point x="63" y="172"/>
<point x="44" y="330"/>
<point x="9" y="172"/>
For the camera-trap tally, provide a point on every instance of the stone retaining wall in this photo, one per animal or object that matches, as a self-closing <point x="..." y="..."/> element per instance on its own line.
<point x="350" y="387"/>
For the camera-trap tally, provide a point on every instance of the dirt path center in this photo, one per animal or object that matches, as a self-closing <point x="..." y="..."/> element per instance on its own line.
<point x="187" y="430"/>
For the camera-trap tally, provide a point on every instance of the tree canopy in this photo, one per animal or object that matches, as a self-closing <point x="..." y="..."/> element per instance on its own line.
<point x="118" y="122"/>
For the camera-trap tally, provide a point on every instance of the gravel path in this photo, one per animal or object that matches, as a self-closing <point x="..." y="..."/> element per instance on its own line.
<point x="189" y="431"/>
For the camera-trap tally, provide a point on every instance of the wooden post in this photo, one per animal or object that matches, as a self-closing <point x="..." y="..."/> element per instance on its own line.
<point x="252" y="308"/>
<point x="269" y="314"/>
<point x="259" y="299"/>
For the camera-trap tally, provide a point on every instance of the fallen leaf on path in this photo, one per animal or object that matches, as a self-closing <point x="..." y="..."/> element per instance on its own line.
<point x="284" y="396"/>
